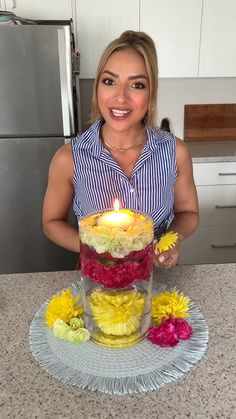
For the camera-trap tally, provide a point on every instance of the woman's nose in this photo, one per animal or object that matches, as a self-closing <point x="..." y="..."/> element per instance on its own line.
<point x="121" y="94"/>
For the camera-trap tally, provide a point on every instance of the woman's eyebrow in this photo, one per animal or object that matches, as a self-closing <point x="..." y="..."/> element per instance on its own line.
<point x="136" y="76"/>
<point x="111" y="73"/>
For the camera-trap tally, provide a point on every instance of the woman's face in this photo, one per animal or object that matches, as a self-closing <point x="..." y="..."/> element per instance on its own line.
<point x="123" y="90"/>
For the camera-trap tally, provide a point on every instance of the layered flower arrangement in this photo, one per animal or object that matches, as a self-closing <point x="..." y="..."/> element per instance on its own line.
<point x="116" y="255"/>
<point x="117" y="308"/>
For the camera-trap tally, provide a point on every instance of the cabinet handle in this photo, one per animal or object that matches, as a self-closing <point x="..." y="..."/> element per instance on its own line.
<point x="227" y="174"/>
<point x="224" y="206"/>
<point x="223" y="246"/>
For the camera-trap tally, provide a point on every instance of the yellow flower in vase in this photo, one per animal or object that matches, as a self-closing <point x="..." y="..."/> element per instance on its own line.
<point x="112" y="341"/>
<point x="169" y="304"/>
<point x="117" y="312"/>
<point x="63" y="307"/>
<point x="166" y="242"/>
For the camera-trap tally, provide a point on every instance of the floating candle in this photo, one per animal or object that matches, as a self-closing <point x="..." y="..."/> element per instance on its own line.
<point x="117" y="218"/>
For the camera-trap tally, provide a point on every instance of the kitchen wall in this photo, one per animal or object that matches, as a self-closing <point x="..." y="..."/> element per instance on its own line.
<point x="173" y="95"/>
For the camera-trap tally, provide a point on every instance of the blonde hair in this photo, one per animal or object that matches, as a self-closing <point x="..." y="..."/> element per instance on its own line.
<point x="144" y="45"/>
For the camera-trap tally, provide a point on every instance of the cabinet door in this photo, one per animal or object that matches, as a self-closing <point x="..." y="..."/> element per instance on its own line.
<point x="175" y="28"/>
<point x="209" y="245"/>
<point x="43" y="9"/>
<point x="218" y="46"/>
<point x="98" y="23"/>
<point x="223" y="173"/>
<point x="217" y="205"/>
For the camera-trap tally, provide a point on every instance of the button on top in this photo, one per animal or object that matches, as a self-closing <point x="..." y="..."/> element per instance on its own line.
<point x="131" y="190"/>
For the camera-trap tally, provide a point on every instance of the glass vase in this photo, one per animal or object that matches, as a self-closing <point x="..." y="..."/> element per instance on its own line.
<point x="116" y="278"/>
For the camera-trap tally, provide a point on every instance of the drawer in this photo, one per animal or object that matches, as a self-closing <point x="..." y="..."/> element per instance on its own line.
<point x="210" y="245"/>
<point x="217" y="204"/>
<point x="215" y="173"/>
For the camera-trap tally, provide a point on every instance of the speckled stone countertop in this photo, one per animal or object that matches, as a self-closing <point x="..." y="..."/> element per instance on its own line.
<point x="208" y="390"/>
<point x="212" y="151"/>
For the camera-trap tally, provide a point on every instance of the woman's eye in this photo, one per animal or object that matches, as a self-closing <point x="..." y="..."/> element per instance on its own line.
<point x="138" y="85"/>
<point x="108" y="82"/>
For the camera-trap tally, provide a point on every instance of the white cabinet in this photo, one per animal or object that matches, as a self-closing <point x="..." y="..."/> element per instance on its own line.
<point x="218" y="35"/>
<point x="98" y="23"/>
<point x="215" y="239"/>
<point x="43" y="9"/>
<point x="193" y="37"/>
<point x="175" y="28"/>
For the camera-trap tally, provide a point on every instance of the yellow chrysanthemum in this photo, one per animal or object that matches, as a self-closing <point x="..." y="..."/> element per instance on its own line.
<point x="169" y="304"/>
<point x="166" y="242"/>
<point x="116" y="341"/>
<point x="62" y="307"/>
<point x="117" y="313"/>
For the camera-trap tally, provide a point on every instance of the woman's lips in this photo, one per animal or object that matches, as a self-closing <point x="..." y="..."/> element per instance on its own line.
<point x="119" y="113"/>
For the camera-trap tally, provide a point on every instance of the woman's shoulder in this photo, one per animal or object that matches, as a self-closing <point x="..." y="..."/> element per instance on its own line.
<point x="63" y="160"/>
<point x="160" y="139"/>
<point x="87" y="137"/>
<point x="160" y="135"/>
<point x="63" y="153"/>
<point x="182" y="149"/>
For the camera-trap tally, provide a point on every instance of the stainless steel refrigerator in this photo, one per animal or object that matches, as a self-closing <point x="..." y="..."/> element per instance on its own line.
<point x="39" y="111"/>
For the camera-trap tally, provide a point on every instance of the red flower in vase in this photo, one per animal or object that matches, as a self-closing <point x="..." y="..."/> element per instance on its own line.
<point x="116" y="272"/>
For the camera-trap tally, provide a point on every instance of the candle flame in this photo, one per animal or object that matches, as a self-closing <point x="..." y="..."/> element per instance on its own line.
<point x="116" y="205"/>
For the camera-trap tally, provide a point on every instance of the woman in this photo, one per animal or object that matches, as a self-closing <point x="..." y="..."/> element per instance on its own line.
<point x="123" y="155"/>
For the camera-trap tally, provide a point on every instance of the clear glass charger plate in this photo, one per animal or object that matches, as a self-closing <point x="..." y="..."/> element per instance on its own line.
<point x="136" y="369"/>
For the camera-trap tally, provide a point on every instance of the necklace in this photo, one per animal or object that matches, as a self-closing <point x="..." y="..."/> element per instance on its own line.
<point x="123" y="149"/>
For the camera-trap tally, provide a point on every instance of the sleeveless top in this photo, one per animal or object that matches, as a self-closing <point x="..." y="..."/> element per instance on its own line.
<point x="98" y="179"/>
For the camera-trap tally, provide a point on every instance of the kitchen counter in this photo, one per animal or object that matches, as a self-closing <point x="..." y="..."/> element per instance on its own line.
<point x="212" y="151"/>
<point x="206" y="391"/>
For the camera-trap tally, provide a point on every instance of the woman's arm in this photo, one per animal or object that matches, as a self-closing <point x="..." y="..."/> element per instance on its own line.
<point x="186" y="209"/>
<point x="185" y="195"/>
<point x="58" y="200"/>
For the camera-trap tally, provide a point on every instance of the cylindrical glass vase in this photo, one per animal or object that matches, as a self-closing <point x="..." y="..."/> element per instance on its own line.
<point x="116" y="276"/>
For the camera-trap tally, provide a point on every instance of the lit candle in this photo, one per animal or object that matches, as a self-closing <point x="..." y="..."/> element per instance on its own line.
<point x="116" y="218"/>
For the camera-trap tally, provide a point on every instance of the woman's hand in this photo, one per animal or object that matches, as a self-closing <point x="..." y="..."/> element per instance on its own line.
<point x="168" y="258"/>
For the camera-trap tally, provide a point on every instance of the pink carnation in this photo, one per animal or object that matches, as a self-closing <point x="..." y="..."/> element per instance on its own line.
<point x="169" y="332"/>
<point x="164" y="335"/>
<point x="183" y="328"/>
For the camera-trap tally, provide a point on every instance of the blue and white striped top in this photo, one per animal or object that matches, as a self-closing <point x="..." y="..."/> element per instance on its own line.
<point x="98" y="179"/>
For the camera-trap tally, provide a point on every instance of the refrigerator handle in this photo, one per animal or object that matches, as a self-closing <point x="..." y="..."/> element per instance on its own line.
<point x="65" y="64"/>
<point x="76" y="89"/>
<point x="76" y="61"/>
